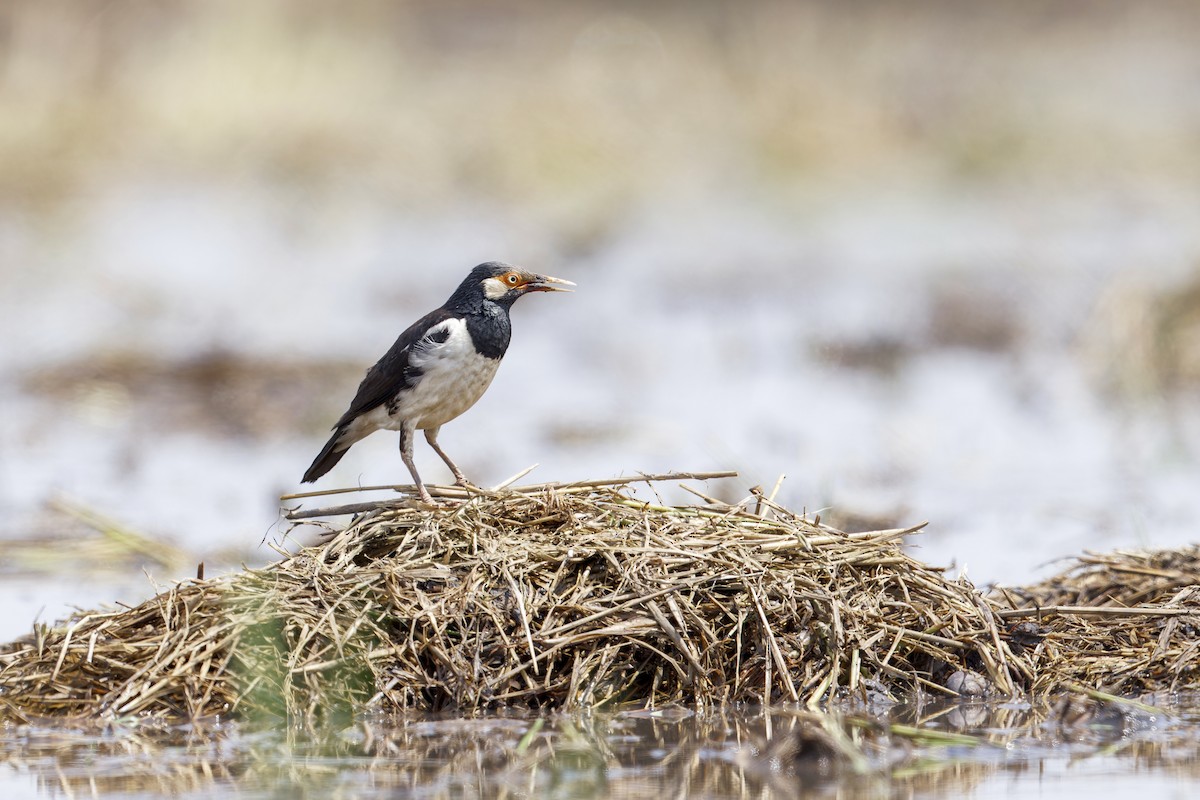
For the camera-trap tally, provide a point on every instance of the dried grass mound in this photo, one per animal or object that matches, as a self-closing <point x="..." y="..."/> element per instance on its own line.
<point x="1123" y="578"/>
<point x="542" y="597"/>
<point x="1127" y="623"/>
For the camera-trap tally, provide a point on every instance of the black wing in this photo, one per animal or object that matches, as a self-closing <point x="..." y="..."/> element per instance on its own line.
<point x="393" y="372"/>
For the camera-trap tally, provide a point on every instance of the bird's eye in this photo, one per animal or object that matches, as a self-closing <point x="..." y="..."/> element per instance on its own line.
<point x="512" y="279"/>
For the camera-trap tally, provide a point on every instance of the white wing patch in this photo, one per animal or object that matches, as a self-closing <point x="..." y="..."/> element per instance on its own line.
<point x="428" y="345"/>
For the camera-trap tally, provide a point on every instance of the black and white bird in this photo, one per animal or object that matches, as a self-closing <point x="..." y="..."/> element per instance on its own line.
<point x="437" y="369"/>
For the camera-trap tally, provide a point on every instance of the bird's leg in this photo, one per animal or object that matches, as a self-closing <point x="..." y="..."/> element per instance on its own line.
<point x="406" y="453"/>
<point x="431" y="437"/>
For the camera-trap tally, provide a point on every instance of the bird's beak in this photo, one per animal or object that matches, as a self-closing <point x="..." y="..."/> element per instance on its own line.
<point x="544" y="283"/>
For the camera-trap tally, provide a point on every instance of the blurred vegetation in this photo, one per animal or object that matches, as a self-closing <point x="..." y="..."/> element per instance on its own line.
<point x="223" y="393"/>
<point x="590" y="106"/>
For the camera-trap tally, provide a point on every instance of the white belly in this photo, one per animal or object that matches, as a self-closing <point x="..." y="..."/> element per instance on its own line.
<point x="454" y="376"/>
<point x="448" y="388"/>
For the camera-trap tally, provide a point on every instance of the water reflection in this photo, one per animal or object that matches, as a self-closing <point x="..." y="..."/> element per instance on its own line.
<point x="926" y="750"/>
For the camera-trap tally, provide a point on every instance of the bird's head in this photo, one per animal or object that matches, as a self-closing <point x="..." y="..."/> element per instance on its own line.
<point x="504" y="283"/>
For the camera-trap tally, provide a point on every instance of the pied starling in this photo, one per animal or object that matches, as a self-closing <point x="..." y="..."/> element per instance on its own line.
<point x="437" y="369"/>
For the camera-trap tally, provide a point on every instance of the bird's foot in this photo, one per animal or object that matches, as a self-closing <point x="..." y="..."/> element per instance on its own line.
<point x="436" y="505"/>
<point x="427" y="499"/>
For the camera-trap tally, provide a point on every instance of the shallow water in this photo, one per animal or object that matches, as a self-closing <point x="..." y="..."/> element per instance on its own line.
<point x="639" y="754"/>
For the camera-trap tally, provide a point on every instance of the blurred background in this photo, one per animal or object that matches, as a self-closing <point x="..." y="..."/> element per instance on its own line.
<point x="932" y="261"/>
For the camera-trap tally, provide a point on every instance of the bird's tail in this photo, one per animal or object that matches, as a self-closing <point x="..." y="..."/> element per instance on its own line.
<point x="330" y="454"/>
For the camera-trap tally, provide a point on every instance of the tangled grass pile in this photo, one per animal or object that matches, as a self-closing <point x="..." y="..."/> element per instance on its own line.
<point x="544" y="597"/>
<point x="1126" y="623"/>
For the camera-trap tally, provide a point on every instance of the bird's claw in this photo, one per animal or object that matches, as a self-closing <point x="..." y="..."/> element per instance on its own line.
<point x="436" y="504"/>
<point x="427" y="499"/>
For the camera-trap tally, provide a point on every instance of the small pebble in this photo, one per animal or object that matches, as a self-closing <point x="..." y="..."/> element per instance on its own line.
<point x="967" y="683"/>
